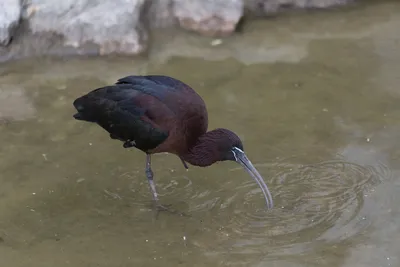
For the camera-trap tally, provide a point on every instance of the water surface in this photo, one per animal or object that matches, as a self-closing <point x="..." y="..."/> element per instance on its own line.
<point x="316" y="105"/>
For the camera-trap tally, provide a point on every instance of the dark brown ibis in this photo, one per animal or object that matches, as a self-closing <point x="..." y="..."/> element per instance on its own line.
<point x="156" y="114"/>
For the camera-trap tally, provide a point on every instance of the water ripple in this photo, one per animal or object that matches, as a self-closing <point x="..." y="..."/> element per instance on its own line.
<point x="313" y="203"/>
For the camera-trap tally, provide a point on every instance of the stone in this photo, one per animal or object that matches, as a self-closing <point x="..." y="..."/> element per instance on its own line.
<point x="100" y="27"/>
<point x="114" y="26"/>
<point x="160" y="14"/>
<point x="209" y="17"/>
<point x="10" y="13"/>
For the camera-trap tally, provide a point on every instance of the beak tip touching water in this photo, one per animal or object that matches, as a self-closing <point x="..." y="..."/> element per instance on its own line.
<point x="242" y="159"/>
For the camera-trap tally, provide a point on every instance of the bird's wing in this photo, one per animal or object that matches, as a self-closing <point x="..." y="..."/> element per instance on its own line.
<point x="166" y="82"/>
<point x="166" y="89"/>
<point x="125" y="111"/>
<point x="187" y="106"/>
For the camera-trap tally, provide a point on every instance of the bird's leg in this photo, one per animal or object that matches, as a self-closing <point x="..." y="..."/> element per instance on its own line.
<point x="149" y="174"/>
<point x="184" y="163"/>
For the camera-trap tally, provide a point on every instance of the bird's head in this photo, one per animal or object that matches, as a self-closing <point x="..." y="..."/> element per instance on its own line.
<point x="222" y="145"/>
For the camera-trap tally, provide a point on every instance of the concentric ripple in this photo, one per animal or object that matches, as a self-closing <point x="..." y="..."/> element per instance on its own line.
<point x="313" y="204"/>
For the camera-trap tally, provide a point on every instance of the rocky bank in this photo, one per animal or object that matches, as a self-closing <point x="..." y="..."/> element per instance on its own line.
<point x="102" y="27"/>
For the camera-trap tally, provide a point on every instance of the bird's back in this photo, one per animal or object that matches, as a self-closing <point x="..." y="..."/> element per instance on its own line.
<point x="158" y="113"/>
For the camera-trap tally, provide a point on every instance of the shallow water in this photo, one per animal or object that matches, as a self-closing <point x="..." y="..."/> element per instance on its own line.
<point x="316" y="106"/>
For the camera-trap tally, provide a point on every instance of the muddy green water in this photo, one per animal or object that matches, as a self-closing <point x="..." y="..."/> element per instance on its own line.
<point x="315" y="98"/>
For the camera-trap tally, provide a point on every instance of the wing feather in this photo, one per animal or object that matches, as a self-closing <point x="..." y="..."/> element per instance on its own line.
<point x="117" y="109"/>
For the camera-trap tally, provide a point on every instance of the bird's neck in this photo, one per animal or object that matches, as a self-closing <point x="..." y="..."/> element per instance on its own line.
<point x="204" y="152"/>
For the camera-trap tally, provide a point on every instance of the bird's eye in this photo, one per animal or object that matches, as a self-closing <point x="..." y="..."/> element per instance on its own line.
<point x="238" y="149"/>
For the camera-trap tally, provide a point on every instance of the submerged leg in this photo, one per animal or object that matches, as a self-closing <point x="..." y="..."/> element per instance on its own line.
<point x="149" y="174"/>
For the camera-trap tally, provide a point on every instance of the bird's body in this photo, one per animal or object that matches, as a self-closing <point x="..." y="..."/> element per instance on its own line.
<point x="156" y="114"/>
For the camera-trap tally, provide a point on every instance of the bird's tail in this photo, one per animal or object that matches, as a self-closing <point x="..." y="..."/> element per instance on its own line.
<point x="78" y="116"/>
<point x="85" y="109"/>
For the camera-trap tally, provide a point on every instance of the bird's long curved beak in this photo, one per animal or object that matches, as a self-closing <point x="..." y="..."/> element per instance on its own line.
<point x="242" y="159"/>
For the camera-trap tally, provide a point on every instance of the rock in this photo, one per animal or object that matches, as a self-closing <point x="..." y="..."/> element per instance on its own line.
<point x="265" y="7"/>
<point x="160" y="14"/>
<point x="209" y="17"/>
<point x="115" y="26"/>
<point x="100" y="27"/>
<point x="10" y="13"/>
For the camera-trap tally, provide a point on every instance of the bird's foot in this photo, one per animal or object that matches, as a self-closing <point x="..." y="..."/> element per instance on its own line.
<point x="129" y="144"/>
<point x="159" y="208"/>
